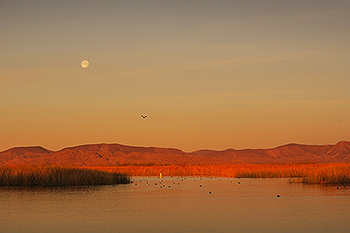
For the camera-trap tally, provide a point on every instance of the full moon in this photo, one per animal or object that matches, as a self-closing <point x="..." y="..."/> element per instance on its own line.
<point x="84" y="64"/>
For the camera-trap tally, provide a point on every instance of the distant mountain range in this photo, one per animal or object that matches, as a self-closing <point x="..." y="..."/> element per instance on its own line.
<point x="116" y="154"/>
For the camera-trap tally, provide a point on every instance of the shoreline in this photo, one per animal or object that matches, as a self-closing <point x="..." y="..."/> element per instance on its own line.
<point x="53" y="175"/>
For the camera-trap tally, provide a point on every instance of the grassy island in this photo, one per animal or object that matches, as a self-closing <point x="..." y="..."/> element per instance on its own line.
<point x="58" y="176"/>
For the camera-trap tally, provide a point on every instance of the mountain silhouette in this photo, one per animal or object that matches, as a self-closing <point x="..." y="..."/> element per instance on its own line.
<point x="117" y="154"/>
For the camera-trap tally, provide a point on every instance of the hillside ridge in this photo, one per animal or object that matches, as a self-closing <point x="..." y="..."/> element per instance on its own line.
<point x="104" y="154"/>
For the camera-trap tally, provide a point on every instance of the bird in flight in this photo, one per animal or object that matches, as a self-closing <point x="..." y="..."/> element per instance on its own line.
<point x="143" y="116"/>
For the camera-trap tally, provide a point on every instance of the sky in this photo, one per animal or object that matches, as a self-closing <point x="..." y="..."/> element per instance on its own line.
<point x="208" y="74"/>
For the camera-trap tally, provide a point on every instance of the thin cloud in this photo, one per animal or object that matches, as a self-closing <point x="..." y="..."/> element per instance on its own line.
<point x="238" y="61"/>
<point x="306" y="102"/>
<point x="256" y="60"/>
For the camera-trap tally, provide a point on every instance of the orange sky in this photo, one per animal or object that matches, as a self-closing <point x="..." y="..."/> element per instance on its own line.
<point x="209" y="74"/>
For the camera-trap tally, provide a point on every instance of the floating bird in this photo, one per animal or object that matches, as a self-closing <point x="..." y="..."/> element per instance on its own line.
<point x="143" y="116"/>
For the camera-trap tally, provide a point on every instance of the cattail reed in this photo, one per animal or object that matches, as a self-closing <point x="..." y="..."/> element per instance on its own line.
<point x="307" y="173"/>
<point x="57" y="176"/>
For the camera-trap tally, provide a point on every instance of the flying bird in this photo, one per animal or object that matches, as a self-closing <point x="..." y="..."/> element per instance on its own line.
<point x="143" y="116"/>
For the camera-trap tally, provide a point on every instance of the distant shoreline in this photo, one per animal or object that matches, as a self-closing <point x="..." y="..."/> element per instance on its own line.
<point x="48" y="176"/>
<point x="117" y="154"/>
<point x="302" y="173"/>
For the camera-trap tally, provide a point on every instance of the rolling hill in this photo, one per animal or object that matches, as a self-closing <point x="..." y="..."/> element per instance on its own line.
<point x="117" y="154"/>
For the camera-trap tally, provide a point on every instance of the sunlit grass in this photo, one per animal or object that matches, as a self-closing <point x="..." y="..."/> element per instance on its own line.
<point x="306" y="173"/>
<point x="328" y="174"/>
<point x="66" y="176"/>
<point x="57" y="176"/>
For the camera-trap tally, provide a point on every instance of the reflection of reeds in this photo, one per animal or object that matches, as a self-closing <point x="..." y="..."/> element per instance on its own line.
<point x="57" y="176"/>
<point x="308" y="173"/>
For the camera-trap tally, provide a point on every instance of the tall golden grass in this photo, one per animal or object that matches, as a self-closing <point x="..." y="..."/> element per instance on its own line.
<point x="57" y="176"/>
<point x="306" y="173"/>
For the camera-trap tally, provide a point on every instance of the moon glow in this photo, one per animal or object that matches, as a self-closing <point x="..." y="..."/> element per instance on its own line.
<point x="84" y="64"/>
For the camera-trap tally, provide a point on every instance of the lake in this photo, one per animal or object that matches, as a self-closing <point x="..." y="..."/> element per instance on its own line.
<point x="190" y="204"/>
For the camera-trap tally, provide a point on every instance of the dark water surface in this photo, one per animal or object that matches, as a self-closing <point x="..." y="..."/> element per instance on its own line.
<point x="249" y="206"/>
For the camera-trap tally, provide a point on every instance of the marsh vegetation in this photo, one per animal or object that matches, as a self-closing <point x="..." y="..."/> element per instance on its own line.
<point x="306" y="173"/>
<point x="67" y="176"/>
<point x="57" y="176"/>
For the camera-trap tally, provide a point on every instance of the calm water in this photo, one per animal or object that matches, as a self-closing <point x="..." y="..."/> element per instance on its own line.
<point x="251" y="206"/>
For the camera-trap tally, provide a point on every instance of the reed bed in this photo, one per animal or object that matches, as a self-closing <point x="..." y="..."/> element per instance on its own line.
<point x="305" y="173"/>
<point x="57" y="176"/>
<point x="328" y="174"/>
<point x="67" y="176"/>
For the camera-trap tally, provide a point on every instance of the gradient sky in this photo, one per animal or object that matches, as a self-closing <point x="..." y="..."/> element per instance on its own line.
<point x="209" y="74"/>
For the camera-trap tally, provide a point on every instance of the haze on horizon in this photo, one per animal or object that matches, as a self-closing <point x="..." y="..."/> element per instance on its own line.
<point x="208" y="74"/>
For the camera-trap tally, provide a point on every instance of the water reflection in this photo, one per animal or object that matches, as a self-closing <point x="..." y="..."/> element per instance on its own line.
<point x="178" y="204"/>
